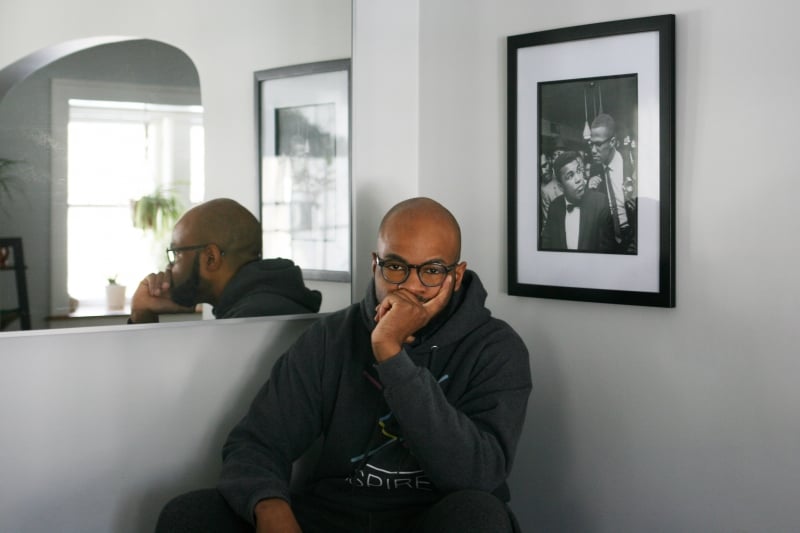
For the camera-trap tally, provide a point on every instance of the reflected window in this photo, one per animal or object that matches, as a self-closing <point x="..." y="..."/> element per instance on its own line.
<point x="119" y="152"/>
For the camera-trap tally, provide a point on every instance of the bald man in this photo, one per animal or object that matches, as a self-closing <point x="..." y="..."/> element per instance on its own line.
<point x="612" y="181"/>
<point x="215" y="258"/>
<point x="417" y="393"/>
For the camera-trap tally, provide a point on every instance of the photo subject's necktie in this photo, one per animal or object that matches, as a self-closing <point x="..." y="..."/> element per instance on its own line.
<point x="612" y="203"/>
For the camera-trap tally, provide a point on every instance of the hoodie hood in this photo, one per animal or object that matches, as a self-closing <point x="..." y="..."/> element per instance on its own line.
<point x="275" y="285"/>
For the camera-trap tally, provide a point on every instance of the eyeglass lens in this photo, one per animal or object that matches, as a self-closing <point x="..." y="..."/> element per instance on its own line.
<point x="430" y="274"/>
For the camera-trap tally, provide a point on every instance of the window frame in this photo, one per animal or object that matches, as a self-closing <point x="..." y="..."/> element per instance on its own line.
<point x="62" y="91"/>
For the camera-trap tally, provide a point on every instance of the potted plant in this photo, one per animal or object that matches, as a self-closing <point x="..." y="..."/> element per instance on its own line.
<point x="115" y="294"/>
<point x="156" y="212"/>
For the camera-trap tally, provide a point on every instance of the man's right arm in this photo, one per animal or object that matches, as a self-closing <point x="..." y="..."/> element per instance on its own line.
<point x="152" y="298"/>
<point x="282" y="422"/>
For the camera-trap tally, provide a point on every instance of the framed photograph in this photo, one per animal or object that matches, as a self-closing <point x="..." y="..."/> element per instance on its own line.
<point x="591" y="157"/>
<point x="304" y="166"/>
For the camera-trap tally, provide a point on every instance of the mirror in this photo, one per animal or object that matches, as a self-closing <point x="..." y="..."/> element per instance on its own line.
<point x="26" y="136"/>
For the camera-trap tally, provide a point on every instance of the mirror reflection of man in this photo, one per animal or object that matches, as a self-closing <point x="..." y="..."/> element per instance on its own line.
<point x="215" y="258"/>
<point x="611" y="180"/>
<point x="580" y="219"/>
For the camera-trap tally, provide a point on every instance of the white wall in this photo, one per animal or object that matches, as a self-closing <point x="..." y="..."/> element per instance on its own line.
<point x="385" y="120"/>
<point x="102" y="427"/>
<point x="641" y="419"/>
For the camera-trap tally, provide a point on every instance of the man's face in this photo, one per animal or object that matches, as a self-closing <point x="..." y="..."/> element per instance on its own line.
<point x="602" y="143"/>
<point x="573" y="181"/>
<point x="545" y="170"/>
<point x="185" y="289"/>
<point x="185" y="271"/>
<point x="416" y="240"/>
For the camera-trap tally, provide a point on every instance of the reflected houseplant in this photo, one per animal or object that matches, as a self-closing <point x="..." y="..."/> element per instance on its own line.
<point x="156" y="212"/>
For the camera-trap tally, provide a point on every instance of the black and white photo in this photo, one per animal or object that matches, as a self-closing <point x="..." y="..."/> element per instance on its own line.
<point x="591" y="162"/>
<point x="587" y="142"/>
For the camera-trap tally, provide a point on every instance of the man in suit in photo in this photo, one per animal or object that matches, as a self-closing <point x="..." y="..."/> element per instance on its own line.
<point x="616" y="180"/>
<point x="580" y="219"/>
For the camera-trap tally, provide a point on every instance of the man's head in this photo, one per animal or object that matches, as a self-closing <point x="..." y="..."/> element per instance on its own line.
<point x="603" y="140"/>
<point x="210" y="243"/>
<point x="418" y="231"/>
<point x="544" y="167"/>
<point x="569" y="173"/>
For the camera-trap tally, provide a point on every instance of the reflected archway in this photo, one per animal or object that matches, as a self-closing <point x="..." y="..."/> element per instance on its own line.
<point x="28" y="134"/>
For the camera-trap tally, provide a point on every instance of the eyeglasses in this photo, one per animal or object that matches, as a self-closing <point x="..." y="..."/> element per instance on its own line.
<point x="598" y="144"/>
<point x="172" y="252"/>
<point x="430" y="274"/>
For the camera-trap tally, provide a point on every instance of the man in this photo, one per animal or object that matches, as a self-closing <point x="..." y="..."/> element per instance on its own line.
<point x="418" y="393"/>
<point x="215" y="258"/>
<point x="549" y="189"/>
<point x="579" y="219"/>
<point x="612" y="181"/>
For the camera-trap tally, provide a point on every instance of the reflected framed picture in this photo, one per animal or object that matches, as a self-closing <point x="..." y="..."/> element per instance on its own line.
<point x="304" y="166"/>
<point x="591" y="157"/>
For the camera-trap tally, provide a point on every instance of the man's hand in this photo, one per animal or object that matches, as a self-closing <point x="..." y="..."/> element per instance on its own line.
<point x="401" y="314"/>
<point x="274" y="515"/>
<point x="594" y="182"/>
<point x="152" y="298"/>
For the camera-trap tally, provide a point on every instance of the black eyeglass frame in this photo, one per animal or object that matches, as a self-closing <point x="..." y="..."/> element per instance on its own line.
<point x="171" y="257"/>
<point x="598" y="144"/>
<point x="381" y="262"/>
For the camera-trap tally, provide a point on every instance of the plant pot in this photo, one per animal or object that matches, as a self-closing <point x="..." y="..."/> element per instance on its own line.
<point x="115" y="296"/>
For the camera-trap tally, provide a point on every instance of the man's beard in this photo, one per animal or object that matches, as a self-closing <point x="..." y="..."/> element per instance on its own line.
<point x="185" y="294"/>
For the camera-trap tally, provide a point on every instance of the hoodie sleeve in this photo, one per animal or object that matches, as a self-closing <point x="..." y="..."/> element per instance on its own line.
<point x="281" y="423"/>
<point x="465" y="439"/>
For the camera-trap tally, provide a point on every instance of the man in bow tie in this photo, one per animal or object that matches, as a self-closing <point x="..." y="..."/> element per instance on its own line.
<point x="580" y="219"/>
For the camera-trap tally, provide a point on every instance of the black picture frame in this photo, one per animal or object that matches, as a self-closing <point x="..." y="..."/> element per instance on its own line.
<point x="303" y="122"/>
<point x="556" y="80"/>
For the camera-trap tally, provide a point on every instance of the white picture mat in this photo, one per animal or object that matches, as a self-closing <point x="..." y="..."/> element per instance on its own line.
<point x="600" y="57"/>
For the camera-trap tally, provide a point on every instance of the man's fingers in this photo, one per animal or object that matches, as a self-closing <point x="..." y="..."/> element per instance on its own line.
<point x="437" y="303"/>
<point x="157" y="283"/>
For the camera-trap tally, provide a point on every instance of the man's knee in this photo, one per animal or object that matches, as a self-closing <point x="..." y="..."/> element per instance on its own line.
<point x="199" y="511"/>
<point x="467" y="511"/>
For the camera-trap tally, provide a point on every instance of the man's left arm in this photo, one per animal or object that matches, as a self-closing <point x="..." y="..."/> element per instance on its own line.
<point x="468" y="444"/>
